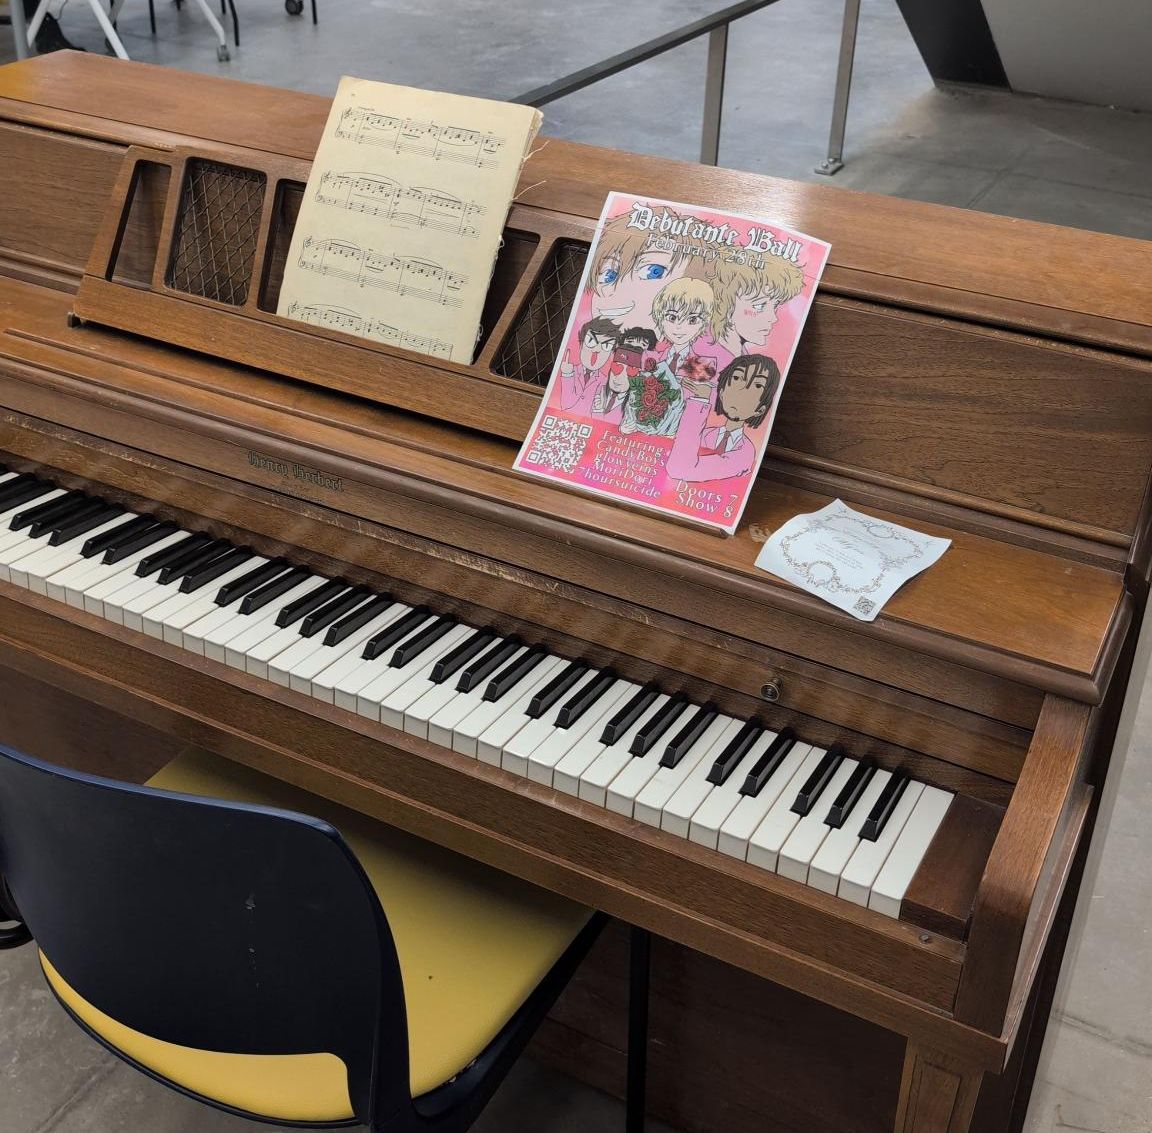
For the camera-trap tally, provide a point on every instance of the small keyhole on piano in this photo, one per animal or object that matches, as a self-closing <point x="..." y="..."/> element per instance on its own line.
<point x="772" y="690"/>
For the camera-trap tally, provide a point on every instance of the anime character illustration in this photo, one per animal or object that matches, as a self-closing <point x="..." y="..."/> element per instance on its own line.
<point x="663" y="392"/>
<point x="681" y="311"/>
<point x="746" y="299"/>
<point x="745" y="391"/>
<point x="635" y="343"/>
<point x="630" y="268"/>
<point x="580" y="383"/>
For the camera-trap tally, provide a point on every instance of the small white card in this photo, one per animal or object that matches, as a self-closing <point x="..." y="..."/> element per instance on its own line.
<point x="854" y="561"/>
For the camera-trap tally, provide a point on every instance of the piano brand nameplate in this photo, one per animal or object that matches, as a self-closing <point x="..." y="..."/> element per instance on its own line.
<point x="289" y="468"/>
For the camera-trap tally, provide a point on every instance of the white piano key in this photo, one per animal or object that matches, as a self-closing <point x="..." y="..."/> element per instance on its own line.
<point x="203" y="602"/>
<point x="247" y="629"/>
<point x="654" y="796"/>
<point x="257" y="644"/>
<point x="567" y="772"/>
<point x="388" y="679"/>
<point x="68" y="555"/>
<point x="869" y="857"/>
<point x="809" y="833"/>
<point x="346" y="692"/>
<point x="751" y="810"/>
<point x="305" y="677"/>
<point x="70" y="585"/>
<point x="109" y="578"/>
<point x="19" y="545"/>
<point x="721" y="801"/>
<point x="908" y="852"/>
<point x="836" y="850"/>
<point x="519" y="749"/>
<point x="490" y="742"/>
<point x="780" y="821"/>
<point x="443" y="723"/>
<point x="543" y="760"/>
<point x="624" y="790"/>
<point x="678" y="811"/>
<point x="602" y="771"/>
<point x="344" y="667"/>
<point x="466" y="734"/>
<point x="393" y="706"/>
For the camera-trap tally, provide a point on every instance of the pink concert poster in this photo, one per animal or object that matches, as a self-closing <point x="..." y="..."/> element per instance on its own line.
<point x="674" y="358"/>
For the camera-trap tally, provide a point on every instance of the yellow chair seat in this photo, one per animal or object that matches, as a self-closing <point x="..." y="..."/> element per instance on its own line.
<point x="472" y="942"/>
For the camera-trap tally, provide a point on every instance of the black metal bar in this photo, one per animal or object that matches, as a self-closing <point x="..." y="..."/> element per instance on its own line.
<point x="16" y="933"/>
<point x="638" y="978"/>
<point x="578" y="80"/>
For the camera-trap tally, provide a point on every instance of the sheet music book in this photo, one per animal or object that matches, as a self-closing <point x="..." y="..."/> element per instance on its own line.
<point x="672" y="366"/>
<point x="403" y="215"/>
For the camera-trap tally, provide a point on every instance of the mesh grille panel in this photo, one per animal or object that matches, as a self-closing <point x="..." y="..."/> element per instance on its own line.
<point x="214" y="248"/>
<point x="530" y="349"/>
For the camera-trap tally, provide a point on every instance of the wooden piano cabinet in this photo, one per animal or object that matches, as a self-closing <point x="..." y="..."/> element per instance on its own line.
<point x="982" y="378"/>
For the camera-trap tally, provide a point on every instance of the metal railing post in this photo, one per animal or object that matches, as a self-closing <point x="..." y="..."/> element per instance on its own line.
<point x="714" y="95"/>
<point x="834" y="162"/>
<point x="19" y="27"/>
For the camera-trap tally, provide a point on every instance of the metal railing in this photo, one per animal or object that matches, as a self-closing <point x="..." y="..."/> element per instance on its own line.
<point x="715" y="27"/>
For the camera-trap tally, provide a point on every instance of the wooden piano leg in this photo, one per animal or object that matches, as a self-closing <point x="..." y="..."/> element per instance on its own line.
<point x="937" y="1093"/>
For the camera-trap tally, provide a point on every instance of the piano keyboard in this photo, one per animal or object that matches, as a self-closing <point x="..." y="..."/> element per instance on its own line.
<point x="817" y="816"/>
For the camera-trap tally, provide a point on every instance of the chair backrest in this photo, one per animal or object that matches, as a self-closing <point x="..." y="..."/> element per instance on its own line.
<point x="214" y="925"/>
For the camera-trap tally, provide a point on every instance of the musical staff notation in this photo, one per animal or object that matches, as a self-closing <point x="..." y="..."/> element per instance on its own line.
<point x="351" y="322"/>
<point x="409" y="135"/>
<point x="400" y="205"/>
<point x="405" y="275"/>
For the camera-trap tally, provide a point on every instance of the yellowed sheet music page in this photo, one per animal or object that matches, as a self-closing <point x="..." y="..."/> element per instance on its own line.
<point x="403" y="214"/>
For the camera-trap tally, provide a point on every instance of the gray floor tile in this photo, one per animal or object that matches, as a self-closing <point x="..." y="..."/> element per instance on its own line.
<point x="1035" y="199"/>
<point x="935" y="181"/>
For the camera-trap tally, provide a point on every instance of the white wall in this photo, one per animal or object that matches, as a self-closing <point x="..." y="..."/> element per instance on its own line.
<point x="1097" y="51"/>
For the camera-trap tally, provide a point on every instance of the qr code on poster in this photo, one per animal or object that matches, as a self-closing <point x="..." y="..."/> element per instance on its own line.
<point x="559" y="444"/>
<point x="864" y="606"/>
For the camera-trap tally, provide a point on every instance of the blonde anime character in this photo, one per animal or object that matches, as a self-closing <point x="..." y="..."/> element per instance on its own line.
<point x="629" y="272"/>
<point x="746" y="300"/>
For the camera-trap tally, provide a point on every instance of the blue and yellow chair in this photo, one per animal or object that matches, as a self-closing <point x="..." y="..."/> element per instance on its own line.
<point x="264" y="951"/>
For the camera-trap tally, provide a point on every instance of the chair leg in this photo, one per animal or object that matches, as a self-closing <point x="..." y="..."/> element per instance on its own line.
<point x="235" y="21"/>
<point x="314" y="19"/>
<point x="640" y="963"/>
<point x="152" y="15"/>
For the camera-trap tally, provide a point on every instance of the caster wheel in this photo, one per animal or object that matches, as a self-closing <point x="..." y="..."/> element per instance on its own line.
<point x="223" y="54"/>
<point x="293" y="7"/>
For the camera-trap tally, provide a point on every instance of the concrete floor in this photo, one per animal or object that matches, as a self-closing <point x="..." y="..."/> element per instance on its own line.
<point x="1068" y="164"/>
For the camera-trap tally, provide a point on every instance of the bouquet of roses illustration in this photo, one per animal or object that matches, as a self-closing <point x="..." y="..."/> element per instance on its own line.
<point x="650" y="394"/>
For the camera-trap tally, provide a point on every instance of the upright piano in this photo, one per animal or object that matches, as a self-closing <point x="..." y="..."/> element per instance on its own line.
<point x="979" y="378"/>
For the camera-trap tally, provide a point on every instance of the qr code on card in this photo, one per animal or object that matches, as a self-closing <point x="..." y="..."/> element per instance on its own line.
<point x="559" y="444"/>
<point x="864" y="606"/>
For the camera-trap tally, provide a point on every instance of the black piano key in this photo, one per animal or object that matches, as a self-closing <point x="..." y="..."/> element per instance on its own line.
<point x="306" y="603"/>
<point x="488" y="663"/>
<point x="395" y="632"/>
<point x="682" y="742"/>
<point x="150" y="564"/>
<point x="138" y="542"/>
<point x="222" y="564"/>
<point x="333" y="610"/>
<point x="768" y="764"/>
<point x="270" y="591"/>
<point x="652" y="729"/>
<point x="58" y="508"/>
<point x="736" y="749"/>
<point x="246" y="583"/>
<point x="882" y="810"/>
<point x="192" y="560"/>
<point x="422" y="641"/>
<point x="82" y="524"/>
<point x="459" y="656"/>
<point x="548" y="695"/>
<point x="49" y="526"/>
<point x="513" y="674"/>
<point x="816" y="782"/>
<point x="357" y="619"/>
<point x="108" y="539"/>
<point x="22" y="490"/>
<point x="584" y="698"/>
<point x="637" y="705"/>
<point x="849" y="796"/>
